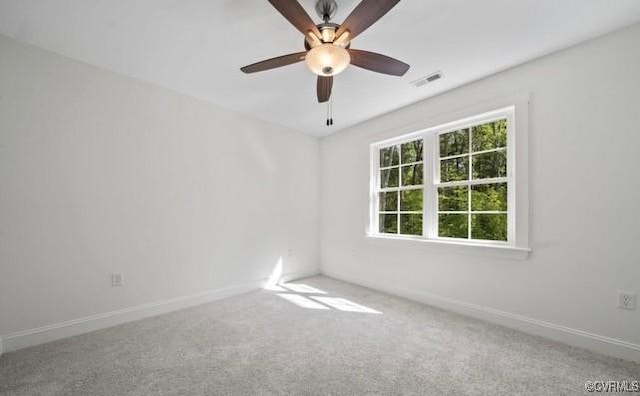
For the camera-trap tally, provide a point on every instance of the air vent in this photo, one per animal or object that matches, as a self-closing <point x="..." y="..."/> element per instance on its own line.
<point x="427" y="79"/>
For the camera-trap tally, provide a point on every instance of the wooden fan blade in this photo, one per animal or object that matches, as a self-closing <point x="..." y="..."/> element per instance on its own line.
<point x="377" y="62"/>
<point x="325" y="84"/>
<point x="364" y="15"/>
<point x="296" y="15"/>
<point x="272" y="63"/>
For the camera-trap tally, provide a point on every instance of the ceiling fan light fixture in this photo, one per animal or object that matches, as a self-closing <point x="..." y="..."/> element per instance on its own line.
<point x="327" y="60"/>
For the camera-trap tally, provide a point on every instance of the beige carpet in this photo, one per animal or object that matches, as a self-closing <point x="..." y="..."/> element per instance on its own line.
<point x="319" y="336"/>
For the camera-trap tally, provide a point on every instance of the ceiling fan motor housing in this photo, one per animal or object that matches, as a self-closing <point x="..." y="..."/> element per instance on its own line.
<point x="328" y="35"/>
<point x="328" y="31"/>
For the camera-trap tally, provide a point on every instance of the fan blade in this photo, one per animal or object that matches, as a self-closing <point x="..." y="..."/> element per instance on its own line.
<point x="377" y="62"/>
<point x="364" y="15"/>
<point x="272" y="63"/>
<point x="325" y="84"/>
<point x="296" y="15"/>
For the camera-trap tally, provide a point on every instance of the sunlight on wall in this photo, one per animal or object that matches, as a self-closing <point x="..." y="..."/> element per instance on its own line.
<point x="274" y="278"/>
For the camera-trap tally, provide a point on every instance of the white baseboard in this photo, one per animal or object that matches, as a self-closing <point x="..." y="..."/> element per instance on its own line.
<point x="57" y="331"/>
<point x="579" y="338"/>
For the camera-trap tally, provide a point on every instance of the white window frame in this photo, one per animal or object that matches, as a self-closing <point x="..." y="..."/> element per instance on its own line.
<point x="517" y="228"/>
<point x="400" y="188"/>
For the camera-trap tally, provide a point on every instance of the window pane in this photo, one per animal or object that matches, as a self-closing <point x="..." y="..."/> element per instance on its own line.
<point x="489" y="136"/>
<point x="411" y="200"/>
<point x="490" y="165"/>
<point x="453" y="225"/>
<point x="389" y="156"/>
<point x="412" y="175"/>
<point x="489" y="197"/>
<point x="454" y="143"/>
<point x="411" y="224"/>
<point x="452" y="199"/>
<point x="489" y="227"/>
<point x="412" y="151"/>
<point x="454" y="169"/>
<point x="389" y="177"/>
<point x="389" y="201"/>
<point x="389" y="223"/>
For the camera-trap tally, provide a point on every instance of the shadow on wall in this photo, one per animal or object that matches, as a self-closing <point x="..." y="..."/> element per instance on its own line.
<point x="309" y="297"/>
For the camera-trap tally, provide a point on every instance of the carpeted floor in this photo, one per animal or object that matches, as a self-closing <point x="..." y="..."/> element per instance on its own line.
<point x="317" y="336"/>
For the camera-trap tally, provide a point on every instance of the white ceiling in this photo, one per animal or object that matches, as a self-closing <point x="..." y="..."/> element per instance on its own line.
<point x="197" y="47"/>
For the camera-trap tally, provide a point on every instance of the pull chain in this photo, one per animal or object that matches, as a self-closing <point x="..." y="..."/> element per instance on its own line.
<point x="330" y="112"/>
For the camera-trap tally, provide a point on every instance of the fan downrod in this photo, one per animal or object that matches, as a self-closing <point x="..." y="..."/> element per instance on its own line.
<point x="326" y="9"/>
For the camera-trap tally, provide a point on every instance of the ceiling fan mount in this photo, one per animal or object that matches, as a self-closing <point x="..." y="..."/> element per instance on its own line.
<point x="326" y="9"/>
<point x="327" y="45"/>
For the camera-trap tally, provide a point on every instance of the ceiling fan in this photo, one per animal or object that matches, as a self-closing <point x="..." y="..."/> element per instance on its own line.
<point x="328" y="45"/>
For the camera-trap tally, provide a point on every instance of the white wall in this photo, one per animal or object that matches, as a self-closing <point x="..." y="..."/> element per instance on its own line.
<point x="584" y="194"/>
<point x="100" y="173"/>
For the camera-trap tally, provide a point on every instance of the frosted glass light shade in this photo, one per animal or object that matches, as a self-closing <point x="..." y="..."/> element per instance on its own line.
<point x="327" y="59"/>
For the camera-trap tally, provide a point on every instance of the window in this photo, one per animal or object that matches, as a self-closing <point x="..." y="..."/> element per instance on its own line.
<point x="472" y="182"/>
<point x="450" y="183"/>
<point x="401" y="186"/>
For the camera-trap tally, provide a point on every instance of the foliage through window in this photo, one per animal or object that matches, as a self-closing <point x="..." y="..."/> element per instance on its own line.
<point x="447" y="183"/>
<point x="401" y="188"/>
<point x="472" y="189"/>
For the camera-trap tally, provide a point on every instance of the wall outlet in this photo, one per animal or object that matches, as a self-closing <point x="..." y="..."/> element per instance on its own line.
<point x="117" y="279"/>
<point x="627" y="300"/>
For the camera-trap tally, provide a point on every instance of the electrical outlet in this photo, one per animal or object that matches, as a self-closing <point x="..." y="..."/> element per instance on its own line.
<point x="117" y="279"/>
<point x="627" y="300"/>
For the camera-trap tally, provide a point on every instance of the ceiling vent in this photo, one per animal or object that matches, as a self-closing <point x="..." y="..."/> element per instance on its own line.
<point x="427" y="79"/>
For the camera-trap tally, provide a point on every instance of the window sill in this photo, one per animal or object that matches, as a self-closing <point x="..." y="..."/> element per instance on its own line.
<point x="502" y="251"/>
